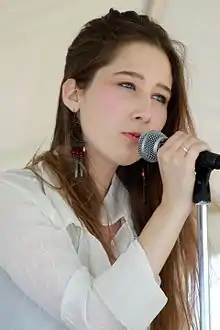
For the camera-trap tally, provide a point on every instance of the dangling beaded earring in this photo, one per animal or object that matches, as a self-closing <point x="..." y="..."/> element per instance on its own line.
<point x="78" y="150"/>
<point x="78" y="155"/>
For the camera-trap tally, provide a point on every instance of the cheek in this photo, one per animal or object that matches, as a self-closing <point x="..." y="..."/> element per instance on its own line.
<point x="109" y="105"/>
<point x="110" y="98"/>
<point x="100" y="113"/>
<point x="163" y="119"/>
<point x="160" y="118"/>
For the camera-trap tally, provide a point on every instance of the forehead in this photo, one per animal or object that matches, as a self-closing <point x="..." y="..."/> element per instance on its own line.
<point x="148" y="60"/>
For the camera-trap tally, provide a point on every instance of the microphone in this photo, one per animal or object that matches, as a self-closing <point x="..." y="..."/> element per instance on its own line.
<point x="150" y="142"/>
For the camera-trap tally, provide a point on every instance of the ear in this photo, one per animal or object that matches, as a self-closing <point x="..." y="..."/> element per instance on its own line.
<point x="70" y="95"/>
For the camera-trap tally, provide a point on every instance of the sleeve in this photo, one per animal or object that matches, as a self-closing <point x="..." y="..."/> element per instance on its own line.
<point x="43" y="263"/>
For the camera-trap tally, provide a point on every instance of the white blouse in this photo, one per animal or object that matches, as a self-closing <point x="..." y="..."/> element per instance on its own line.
<point x="56" y="275"/>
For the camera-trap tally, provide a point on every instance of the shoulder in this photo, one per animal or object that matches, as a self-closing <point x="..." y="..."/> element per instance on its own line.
<point x="20" y="184"/>
<point x="21" y="189"/>
<point x="19" y="180"/>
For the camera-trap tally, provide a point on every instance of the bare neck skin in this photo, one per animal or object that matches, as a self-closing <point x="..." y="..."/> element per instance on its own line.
<point x="101" y="170"/>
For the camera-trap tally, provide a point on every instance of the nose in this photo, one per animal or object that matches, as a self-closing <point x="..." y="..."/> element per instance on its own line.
<point x="143" y="113"/>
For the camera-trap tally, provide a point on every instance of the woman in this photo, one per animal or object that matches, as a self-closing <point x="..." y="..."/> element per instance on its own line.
<point x="91" y="233"/>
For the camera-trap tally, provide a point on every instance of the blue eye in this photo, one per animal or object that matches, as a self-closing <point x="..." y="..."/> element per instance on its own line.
<point x="160" y="98"/>
<point x="128" y="85"/>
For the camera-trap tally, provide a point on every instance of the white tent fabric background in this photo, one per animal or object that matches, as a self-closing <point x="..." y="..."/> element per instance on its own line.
<point x="34" y="39"/>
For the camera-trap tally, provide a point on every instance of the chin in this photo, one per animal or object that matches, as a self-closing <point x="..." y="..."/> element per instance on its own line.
<point x="129" y="160"/>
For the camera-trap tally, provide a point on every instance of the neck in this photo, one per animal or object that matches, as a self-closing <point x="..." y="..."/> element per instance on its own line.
<point x="102" y="173"/>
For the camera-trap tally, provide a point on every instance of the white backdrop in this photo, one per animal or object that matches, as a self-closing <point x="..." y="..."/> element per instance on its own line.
<point x="34" y="39"/>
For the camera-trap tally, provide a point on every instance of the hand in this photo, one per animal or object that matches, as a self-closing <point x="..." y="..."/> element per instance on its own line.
<point x="177" y="169"/>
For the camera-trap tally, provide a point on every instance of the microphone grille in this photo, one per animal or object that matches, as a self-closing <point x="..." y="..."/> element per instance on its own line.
<point x="148" y="145"/>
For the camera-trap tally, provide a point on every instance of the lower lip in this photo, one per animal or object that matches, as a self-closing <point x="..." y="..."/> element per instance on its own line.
<point x="132" y="137"/>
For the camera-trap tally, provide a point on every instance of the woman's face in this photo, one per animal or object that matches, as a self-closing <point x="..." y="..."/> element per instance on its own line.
<point x="128" y="95"/>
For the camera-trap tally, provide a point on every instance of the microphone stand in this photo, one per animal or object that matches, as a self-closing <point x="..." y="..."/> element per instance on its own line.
<point x="202" y="198"/>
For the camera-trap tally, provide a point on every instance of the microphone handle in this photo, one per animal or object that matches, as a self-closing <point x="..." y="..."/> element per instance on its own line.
<point x="208" y="159"/>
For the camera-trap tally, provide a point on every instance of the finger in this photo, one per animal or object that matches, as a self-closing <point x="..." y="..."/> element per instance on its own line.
<point x="171" y="140"/>
<point x="187" y="144"/>
<point x="194" y="152"/>
<point x="175" y="144"/>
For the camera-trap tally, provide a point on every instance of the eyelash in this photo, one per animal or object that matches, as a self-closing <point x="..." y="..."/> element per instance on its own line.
<point x="158" y="97"/>
<point x="128" y="83"/>
<point x="162" y="98"/>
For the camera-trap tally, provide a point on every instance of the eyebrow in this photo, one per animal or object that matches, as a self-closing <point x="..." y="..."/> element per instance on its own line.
<point x="140" y="76"/>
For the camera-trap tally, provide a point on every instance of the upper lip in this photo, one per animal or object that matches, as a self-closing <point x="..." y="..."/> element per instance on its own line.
<point x="137" y="134"/>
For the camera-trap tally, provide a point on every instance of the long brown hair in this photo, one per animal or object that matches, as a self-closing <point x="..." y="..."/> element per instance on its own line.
<point x="94" y="47"/>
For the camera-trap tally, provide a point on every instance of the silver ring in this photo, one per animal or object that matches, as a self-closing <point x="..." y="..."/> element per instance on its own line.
<point x="185" y="149"/>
